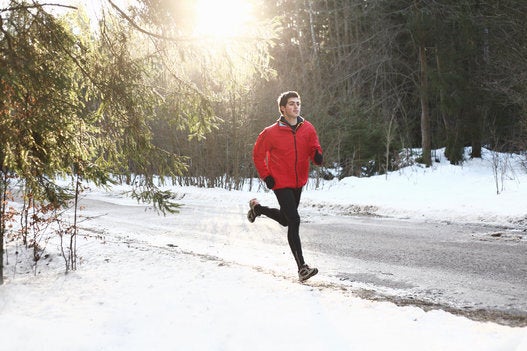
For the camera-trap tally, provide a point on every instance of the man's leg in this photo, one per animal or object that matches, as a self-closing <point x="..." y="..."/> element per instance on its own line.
<point x="272" y="213"/>
<point x="289" y="200"/>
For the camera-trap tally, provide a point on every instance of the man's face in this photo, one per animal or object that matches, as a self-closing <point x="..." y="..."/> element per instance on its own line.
<point x="292" y="108"/>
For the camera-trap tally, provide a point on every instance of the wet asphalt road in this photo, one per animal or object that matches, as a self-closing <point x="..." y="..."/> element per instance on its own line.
<point x="477" y="271"/>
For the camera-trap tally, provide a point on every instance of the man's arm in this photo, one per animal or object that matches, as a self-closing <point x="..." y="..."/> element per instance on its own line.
<point x="316" y="156"/>
<point x="260" y="155"/>
<point x="318" y="159"/>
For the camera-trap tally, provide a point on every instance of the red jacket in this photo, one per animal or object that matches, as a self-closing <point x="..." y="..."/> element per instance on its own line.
<point x="284" y="153"/>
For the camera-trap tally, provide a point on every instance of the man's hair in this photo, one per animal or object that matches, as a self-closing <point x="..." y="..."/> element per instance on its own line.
<point x="282" y="99"/>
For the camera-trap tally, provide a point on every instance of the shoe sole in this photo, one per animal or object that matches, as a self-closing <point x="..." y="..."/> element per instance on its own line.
<point x="250" y="216"/>
<point x="314" y="272"/>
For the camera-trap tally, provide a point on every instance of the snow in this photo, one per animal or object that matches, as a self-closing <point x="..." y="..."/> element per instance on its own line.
<point x="149" y="282"/>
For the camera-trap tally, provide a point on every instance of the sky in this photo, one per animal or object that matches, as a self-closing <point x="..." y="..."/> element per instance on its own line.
<point x="207" y="279"/>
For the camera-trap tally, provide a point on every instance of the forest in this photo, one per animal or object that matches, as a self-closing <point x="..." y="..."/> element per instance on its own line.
<point x="153" y="91"/>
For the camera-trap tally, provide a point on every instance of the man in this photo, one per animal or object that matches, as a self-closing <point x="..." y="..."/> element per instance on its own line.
<point x="281" y="156"/>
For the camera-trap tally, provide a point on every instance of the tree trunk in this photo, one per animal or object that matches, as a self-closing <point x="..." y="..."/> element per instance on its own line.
<point x="426" y="143"/>
<point x="312" y="31"/>
<point x="3" y="199"/>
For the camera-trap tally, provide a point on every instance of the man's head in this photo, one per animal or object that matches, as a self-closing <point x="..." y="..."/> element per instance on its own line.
<point x="289" y="104"/>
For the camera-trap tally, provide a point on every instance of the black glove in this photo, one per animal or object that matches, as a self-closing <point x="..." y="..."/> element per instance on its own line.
<point x="318" y="158"/>
<point x="269" y="181"/>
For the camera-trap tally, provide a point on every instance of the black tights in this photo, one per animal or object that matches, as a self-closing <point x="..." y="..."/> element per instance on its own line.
<point x="287" y="215"/>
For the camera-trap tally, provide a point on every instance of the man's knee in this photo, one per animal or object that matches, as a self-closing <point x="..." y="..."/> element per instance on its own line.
<point x="290" y="221"/>
<point x="294" y="220"/>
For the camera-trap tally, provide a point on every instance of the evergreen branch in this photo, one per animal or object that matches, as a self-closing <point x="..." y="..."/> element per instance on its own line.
<point x="39" y="6"/>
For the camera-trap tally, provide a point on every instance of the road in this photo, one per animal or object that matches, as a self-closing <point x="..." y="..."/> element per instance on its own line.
<point x="477" y="271"/>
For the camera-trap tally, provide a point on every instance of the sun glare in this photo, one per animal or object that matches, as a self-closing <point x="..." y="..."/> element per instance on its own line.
<point x="222" y="19"/>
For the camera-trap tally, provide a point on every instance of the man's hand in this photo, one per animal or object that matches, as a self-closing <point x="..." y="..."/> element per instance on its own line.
<point x="269" y="181"/>
<point x="318" y="158"/>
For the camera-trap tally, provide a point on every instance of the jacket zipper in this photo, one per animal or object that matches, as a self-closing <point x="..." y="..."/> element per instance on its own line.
<point x="296" y="151"/>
